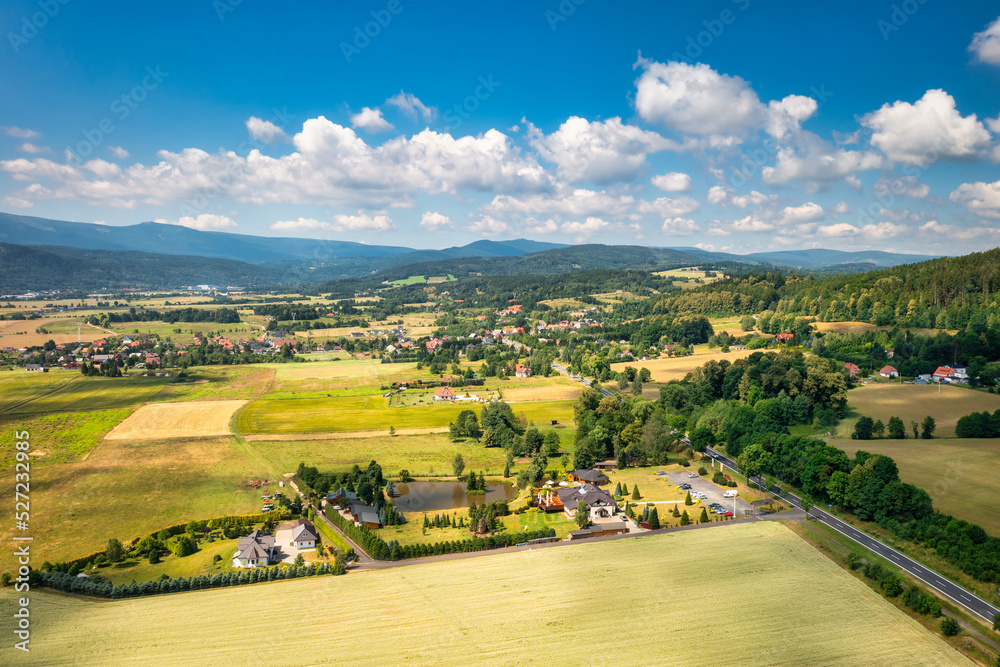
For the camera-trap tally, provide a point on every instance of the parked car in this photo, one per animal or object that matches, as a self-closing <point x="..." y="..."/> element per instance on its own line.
<point x="730" y="494"/>
<point x="726" y="513"/>
<point x="684" y="487"/>
<point x="692" y="474"/>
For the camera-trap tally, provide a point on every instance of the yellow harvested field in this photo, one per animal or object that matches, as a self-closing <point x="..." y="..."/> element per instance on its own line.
<point x="911" y="402"/>
<point x="159" y="421"/>
<point x="542" y="393"/>
<point x="665" y="369"/>
<point x="787" y="604"/>
<point x="858" y="327"/>
<point x="343" y="368"/>
<point x="21" y="333"/>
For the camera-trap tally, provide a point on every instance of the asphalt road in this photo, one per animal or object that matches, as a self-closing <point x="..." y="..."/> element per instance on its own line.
<point x="585" y="382"/>
<point x="949" y="589"/>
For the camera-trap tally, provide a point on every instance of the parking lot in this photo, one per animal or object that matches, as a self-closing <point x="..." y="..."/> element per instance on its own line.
<point x="712" y="492"/>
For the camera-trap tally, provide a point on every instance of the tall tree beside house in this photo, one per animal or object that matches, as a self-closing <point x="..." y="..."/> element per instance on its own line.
<point x="582" y="516"/>
<point x="618" y="490"/>
<point x="115" y="551"/>
<point x="624" y="490"/>
<point x="928" y="428"/>
<point x="300" y="561"/>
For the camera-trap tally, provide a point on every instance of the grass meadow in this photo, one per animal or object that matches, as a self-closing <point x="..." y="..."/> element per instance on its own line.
<point x="777" y="599"/>
<point x="911" y="403"/>
<point x="961" y="474"/>
<point x="126" y="489"/>
<point x="58" y="437"/>
<point x="370" y="413"/>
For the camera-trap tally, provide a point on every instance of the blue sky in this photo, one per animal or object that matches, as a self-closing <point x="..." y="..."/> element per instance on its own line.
<point x="734" y="125"/>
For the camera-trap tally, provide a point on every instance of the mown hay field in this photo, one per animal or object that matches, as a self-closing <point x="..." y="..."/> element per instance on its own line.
<point x="665" y="369"/>
<point x="777" y="600"/>
<point x="160" y="421"/>
<point x="338" y="369"/>
<point x="911" y="403"/>
<point x="18" y="386"/>
<point x="78" y="393"/>
<point x="21" y="333"/>
<point x="57" y="437"/>
<point x="370" y="413"/>
<point x="961" y="474"/>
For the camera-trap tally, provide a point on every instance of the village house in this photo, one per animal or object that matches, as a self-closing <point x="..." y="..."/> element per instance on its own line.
<point x="444" y="394"/>
<point x="33" y="368"/>
<point x="522" y="371"/>
<point x="304" y="535"/>
<point x="599" y="502"/>
<point x="340" y="497"/>
<point x="254" y="550"/>
<point x="364" y="515"/>
<point x="784" y="337"/>
<point x="852" y="370"/>
<point x="888" y="372"/>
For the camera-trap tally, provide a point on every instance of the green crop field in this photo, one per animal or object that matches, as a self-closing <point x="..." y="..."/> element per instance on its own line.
<point x="777" y="600"/>
<point x="125" y="490"/>
<point x="911" y="403"/>
<point x="961" y="474"/>
<point x="18" y="386"/>
<point x="94" y="393"/>
<point x="423" y="455"/>
<point x="59" y="437"/>
<point x="370" y="413"/>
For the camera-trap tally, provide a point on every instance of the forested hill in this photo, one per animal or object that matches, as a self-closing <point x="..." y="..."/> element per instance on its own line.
<point x="942" y="293"/>
<point x="53" y="267"/>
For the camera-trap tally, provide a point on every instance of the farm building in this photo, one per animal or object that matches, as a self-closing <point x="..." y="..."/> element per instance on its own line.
<point x="340" y="497"/>
<point x="591" y="477"/>
<point x="606" y="465"/>
<point x="889" y="372"/>
<point x="852" y="370"/>
<point x="254" y="550"/>
<point x="33" y="368"/>
<point x="304" y="535"/>
<point x="599" y="502"/>
<point x="784" y="337"/>
<point x="364" y="515"/>
<point x="598" y="530"/>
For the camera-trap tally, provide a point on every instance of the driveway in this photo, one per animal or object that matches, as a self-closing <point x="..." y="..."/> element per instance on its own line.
<point x="712" y="491"/>
<point x="286" y="552"/>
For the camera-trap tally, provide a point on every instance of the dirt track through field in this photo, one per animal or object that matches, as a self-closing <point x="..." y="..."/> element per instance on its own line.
<point x="161" y="421"/>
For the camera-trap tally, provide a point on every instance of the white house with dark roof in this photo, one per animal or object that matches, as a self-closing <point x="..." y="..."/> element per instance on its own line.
<point x="599" y="502"/>
<point x="304" y="535"/>
<point x="254" y="550"/>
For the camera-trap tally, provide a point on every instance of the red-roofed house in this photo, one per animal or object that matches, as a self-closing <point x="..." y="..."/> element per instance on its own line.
<point x="444" y="394"/>
<point x="784" y="337"/>
<point x="522" y="371"/>
<point x="888" y="372"/>
<point x="943" y="373"/>
<point x="852" y="369"/>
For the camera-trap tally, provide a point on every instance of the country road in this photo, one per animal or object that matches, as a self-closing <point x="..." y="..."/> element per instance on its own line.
<point x="585" y="382"/>
<point x="949" y="589"/>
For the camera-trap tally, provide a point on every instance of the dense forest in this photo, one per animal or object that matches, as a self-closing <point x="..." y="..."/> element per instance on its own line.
<point x="946" y="293"/>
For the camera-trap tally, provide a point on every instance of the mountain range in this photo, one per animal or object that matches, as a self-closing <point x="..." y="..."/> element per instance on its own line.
<point x="39" y="253"/>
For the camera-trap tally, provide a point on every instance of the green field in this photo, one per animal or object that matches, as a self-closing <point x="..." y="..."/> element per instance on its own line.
<point x="424" y="455"/>
<point x="59" y="437"/>
<point x="777" y="600"/>
<point x="911" y="403"/>
<point x="125" y="490"/>
<point x="370" y="413"/>
<point x="961" y="474"/>
<point x="18" y="386"/>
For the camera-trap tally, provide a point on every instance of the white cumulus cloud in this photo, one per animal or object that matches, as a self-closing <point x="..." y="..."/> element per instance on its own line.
<point x="433" y="221"/>
<point x="409" y="104"/>
<point x="673" y="181"/>
<point x="371" y="120"/>
<point x="680" y="227"/>
<point x="203" y="222"/>
<point x="926" y="131"/>
<point x="986" y="44"/>
<point x="118" y="152"/>
<point x="265" y="130"/>
<point x="982" y="199"/>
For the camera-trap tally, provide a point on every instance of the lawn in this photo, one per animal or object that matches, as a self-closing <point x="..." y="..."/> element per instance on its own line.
<point x="651" y="487"/>
<point x="423" y="455"/>
<point x="911" y="402"/>
<point x="59" y="437"/>
<point x="787" y="602"/>
<point x="183" y="332"/>
<point x="961" y="474"/>
<point x="200" y="562"/>
<point x="370" y="413"/>
<point x="125" y="489"/>
<point x="665" y="369"/>
<point x="413" y="531"/>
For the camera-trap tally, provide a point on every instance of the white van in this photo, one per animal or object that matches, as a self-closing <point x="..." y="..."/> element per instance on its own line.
<point x="730" y="494"/>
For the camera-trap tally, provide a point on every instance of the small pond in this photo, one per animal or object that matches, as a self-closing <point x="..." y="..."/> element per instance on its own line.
<point x="430" y="496"/>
